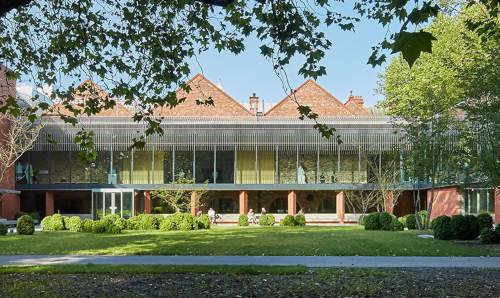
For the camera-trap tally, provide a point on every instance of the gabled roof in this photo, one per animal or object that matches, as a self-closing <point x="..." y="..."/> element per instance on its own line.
<point x="202" y="89"/>
<point x="355" y="104"/>
<point x="313" y="95"/>
<point x="85" y="91"/>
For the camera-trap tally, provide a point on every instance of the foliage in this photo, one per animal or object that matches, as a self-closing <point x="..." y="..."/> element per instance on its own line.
<point x="243" y="220"/>
<point x="465" y="227"/>
<point x="3" y="229"/>
<point x="288" y="221"/>
<point x="53" y="223"/>
<point x="411" y="221"/>
<point x="300" y="220"/>
<point x="121" y="223"/>
<point x="385" y="221"/>
<point x="65" y="222"/>
<point x="168" y="224"/>
<point x="87" y="225"/>
<point x="485" y="221"/>
<point x="372" y="221"/>
<point x="145" y="222"/>
<point x="490" y="236"/>
<point x="179" y="198"/>
<point x="361" y="219"/>
<point x="266" y="220"/>
<point x="74" y="224"/>
<point x="442" y="228"/>
<point x="25" y="225"/>
<point x="98" y="226"/>
<point x="362" y="201"/>
<point x="203" y="222"/>
<point x="396" y="225"/>
<point x="34" y="215"/>
<point x="183" y="222"/>
<point x="134" y="223"/>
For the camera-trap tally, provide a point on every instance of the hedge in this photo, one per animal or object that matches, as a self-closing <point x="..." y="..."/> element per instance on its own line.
<point x="442" y="228"/>
<point x="203" y="222"/>
<point x="372" y="221"/>
<point x="74" y="224"/>
<point x="25" y="225"/>
<point x="53" y="222"/>
<point x="87" y="225"/>
<point x="490" y="236"/>
<point x="184" y="222"/>
<point x="243" y="220"/>
<point x="385" y="221"/>
<point x="300" y="220"/>
<point x="288" y="221"/>
<point x="98" y="226"/>
<point x="485" y="221"/>
<point x="3" y="230"/>
<point x="396" y="225"/>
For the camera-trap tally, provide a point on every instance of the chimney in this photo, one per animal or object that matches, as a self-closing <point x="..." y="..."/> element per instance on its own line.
<point x="356" y="99"/>
<point x="254" y="104"/>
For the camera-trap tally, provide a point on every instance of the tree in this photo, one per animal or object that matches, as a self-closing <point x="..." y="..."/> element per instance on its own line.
<point x="17" y="136"/>
<point x="139" y="50"/>
<point x="386" y="181"/>
<point x="180" y="198"/>
<point x="363" y="200"/>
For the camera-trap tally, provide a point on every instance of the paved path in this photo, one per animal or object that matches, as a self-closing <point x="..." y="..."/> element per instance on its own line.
<point x="308" y="261"/>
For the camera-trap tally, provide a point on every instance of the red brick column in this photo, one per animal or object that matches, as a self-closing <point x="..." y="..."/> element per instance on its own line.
<point x="49" y="203"/>
<point x="243" y="198"/>
<point x="388" y="203"/>
<point x="10" y="206"/>
<point x="292" y="202"/>
<point x="497" y="205"/>
<point x="136" y="202"/>
<point x="193" y="203"/>
<point x="447" y="201"/>
<point x="147" y="202"/>
<point x="341" y="206"/>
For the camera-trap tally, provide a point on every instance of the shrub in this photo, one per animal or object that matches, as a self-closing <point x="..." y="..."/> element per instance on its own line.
<point x="65" y="222"/>
<point x="74" y="224"/>
<point x="361" y="219"/>
<point x="203" y="222"/>
<point x="402" y="220"/>
<point x="489" y="236"/>
<point x="396" y="225"/>
<point x="465" y="227"/>
<point x="188" y="222"/>
<point x="485" y="221"/>
<point x="300" y="220"/>
<point x="25" y="225"/>
<point x="87" y="225"/>
<point x="149" y="222"/>
<point x="385" y="221"/>
<point x="121" y="223"/>
<point x="3" y="230"/>
<point x="34" y="215"/>
<point x="263" y="220"/>
<point x="98" y="226"/>
<point x="113" y="229"/>
<point x="473" y="228"/>
<point x="442" y="228"/>
<point x="168" y="225"/>
<point x="134" y="223"/>
<point x="271" y="220"/>
<point x="411" y="222"/>
<point x="288" y="221"/>
<point x="423" y="214"/>
<point x="243" y="220"/>
<point x="372" y="221"/>
<point x="53" y="223"/>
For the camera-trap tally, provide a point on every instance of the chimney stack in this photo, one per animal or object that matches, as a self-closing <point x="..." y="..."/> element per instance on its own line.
<point x="356" y="99"/>
<point x="254" y="104"/>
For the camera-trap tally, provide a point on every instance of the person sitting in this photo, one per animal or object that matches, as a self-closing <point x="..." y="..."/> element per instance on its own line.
<point x="251" y="217"/>
<point x="211" y="215"/>
<point x="263" y="211"/>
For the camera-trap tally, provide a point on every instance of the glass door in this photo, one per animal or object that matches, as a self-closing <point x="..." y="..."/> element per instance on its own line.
<point x="112" y="201"/>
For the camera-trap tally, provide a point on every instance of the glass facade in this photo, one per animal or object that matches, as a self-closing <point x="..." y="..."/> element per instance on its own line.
<point x="208" y="166"/>
<point x="479" y="201"/>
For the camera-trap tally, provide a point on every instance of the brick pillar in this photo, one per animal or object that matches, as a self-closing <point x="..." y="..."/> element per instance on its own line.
<point x="136" y="202"/>
<point x="193" y="203"/>
<point x="497" y="205"/>
<point x="243" y="197"/>
<point x="49" y="203"/>
<point x="292" y="202"/>
<point x="10" y="205"/>
<point x="388" y="203"/>
<point x="341" y="206"/>
<point x="147" y="202"/>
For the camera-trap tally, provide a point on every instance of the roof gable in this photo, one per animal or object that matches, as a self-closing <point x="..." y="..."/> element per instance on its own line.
<point x="313" y="95"/>
<point x="201" y="90"/>
<point x="355" y="104"/>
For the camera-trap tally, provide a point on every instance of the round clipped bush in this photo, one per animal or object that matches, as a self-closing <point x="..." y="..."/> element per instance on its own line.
<point x="134" y="223"/>
<point x="98" y="226"/>
<point x="271" y="220"/>
<point x="396" y="225"/>
<point x="243" y="220"/>
<point x="53" y="223"/>
<point x="489" y="236"/>
<point x="402" y="220"/>
<point x="385" y="221"/>
<point x="287" y="221"/>
<point x="263" y="220"/>
<point x="300" y="220"/>
<point x="459" y="227"/>
<point x="473" y="228"/>
<point x="25" y="225"/>
<point x="3" y="230"/>
<point x="361" y="219"/>
<point x="411" y="222"/>
<point x="168" y="225"/>
<point x="203" y="222"/>
<point x="121" y="223"/>
<point x="74" y="224"/>
<point x="188" y="222"/>
<point x="87" y="225"/>
<point x="113" y="229"/>
<point x="485" y="221"/>
<point x="442" y="228"/>
<point x="372" y="222"/>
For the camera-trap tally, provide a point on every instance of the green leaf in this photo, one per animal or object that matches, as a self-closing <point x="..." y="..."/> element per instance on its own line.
<point x="411" y="44"/>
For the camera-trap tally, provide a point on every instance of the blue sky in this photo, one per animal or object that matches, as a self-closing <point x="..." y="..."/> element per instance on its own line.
<point x="347" y="70"/>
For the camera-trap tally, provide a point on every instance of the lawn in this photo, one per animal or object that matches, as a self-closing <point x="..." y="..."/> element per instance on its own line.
<point x="309" y="240"/>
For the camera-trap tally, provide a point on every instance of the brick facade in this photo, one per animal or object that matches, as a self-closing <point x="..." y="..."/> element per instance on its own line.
<point x="202" y="89"/>
<point x="355" y="104"/>
<point x="447" y="201"/>
<point x="313" y="95"/>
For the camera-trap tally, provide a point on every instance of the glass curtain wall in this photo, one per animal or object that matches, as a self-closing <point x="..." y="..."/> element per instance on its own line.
<point x="224" y="167"/>
<point x="266" y="167"/>
<point x="204" y="166"/>
<point x="183" y="164"/>
<point x="60" y="167"/>
<point x="245" y="167"/>
<point x="121" y="170"/>
<point x="40" y="162"/>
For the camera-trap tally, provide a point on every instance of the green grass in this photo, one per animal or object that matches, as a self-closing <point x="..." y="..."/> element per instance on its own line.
<point x="90" y="268"/>
<point x="309" y="240"/>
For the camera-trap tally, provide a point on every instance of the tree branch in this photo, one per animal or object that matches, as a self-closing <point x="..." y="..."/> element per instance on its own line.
<point x="8" y="5"/>
<point x="217" y="2"/>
